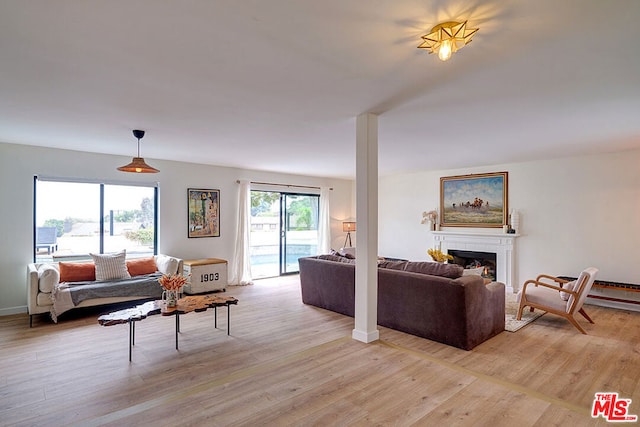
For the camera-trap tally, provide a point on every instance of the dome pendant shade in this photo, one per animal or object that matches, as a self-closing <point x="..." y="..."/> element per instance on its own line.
<point x="138" y="165"/>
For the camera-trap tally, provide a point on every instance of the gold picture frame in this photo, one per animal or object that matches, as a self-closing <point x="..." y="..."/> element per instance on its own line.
<point x="477" y="200"/>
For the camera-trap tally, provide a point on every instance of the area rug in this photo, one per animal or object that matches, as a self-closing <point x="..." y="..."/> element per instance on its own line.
<point x="511" y="310"/>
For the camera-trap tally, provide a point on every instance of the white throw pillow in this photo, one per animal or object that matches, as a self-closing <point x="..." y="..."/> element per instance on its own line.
<point x="348" y="252"/>
<point x="569" y="286"/>
<point x="473" y="271"/>
<point x="111" y="266"/>
<point x="167" y="265"/>
<point x="48" y="278"/>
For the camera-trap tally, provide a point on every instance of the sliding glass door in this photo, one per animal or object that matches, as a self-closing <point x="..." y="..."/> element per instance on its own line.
<point x="299" y="231"/>
<point x="284" y="227"/>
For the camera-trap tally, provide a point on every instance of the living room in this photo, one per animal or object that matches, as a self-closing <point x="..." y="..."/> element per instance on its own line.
<point x="555" y="199"/>
<point x="576" y="190"/>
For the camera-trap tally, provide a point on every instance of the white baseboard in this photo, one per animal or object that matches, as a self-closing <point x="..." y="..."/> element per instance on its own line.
<point x="365" y="337"/>
<point x="13" y="310"/>
<point x="613" y="304"/>
<point x="612" y="298"/>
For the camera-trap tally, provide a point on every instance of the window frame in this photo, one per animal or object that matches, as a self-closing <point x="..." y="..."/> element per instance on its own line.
<point x="102" y="184"/>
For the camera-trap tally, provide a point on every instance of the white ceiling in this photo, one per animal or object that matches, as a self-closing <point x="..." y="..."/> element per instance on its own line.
<point x="276" y="85"/>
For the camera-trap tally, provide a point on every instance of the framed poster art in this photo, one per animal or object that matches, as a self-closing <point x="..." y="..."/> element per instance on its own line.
<point x="478" y="200"/>
<point x="203" y="212"/>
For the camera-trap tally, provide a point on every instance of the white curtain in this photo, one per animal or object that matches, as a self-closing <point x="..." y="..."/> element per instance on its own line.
<point x="324" y="222"/>
<point x="241" y="263"/>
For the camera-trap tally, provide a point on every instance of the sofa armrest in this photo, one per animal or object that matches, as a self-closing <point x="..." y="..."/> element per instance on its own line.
<point x="485" y="305"/>
<point x="33" y="287"/>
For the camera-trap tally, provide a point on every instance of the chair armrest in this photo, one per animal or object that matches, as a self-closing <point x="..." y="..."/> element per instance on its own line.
<point x="547" y="285"/>
<point x="555" y="279"/>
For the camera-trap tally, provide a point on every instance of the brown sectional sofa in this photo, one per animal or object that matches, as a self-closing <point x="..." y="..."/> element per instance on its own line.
<point x="456" y="310"/>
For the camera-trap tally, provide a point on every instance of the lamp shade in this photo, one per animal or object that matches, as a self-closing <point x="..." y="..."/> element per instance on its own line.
<point x="138" y="165"/>
<point x="348" y="226"/>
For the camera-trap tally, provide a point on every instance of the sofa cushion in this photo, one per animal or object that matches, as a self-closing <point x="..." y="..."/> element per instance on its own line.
<point x="111" y="266"/>
<point x="44" y="299"/>
<point x="450" y="271"/>
<point x="473" y="271"/>
<point x="48" y="278"/>
<point x="347" y="252"/>
<point x="141" y="266"/>
<point x="77" y="271"/>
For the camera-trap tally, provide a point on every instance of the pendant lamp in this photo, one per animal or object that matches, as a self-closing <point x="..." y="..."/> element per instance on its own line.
<point x="138" y="164"/>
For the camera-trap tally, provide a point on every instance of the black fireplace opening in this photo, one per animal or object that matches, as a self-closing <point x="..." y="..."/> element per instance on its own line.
<point x="473" y="259"/>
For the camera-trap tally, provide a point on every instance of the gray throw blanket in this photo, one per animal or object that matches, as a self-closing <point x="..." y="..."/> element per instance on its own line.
<point x="68" y="295"/>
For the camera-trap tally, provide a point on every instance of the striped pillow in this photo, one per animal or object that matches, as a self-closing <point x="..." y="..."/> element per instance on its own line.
<point x="111" y="266"/>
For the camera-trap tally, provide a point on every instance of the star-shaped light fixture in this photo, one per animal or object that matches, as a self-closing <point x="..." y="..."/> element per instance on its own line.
<point x="447" y="38"/>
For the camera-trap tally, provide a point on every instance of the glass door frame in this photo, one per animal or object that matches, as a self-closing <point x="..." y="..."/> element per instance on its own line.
<point x="284" y="225"/>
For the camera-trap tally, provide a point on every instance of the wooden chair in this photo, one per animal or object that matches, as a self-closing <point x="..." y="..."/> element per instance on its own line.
<point x="564" y="298"/>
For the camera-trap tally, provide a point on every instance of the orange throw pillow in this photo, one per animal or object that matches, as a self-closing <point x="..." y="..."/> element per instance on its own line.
<point x="140" y="266"/>
<point x="77" y="271"/>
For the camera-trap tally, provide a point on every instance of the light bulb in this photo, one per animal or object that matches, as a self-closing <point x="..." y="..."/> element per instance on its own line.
<point x="444" y="53"/>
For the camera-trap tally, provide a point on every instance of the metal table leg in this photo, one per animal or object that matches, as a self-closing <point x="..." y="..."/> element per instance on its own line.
<point x="177" y="328"/>
<point x="132" y="334"/>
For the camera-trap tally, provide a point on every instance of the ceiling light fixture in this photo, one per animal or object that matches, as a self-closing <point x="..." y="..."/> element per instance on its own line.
<point x="447" y="38"/>
<point x="138" y="164"/>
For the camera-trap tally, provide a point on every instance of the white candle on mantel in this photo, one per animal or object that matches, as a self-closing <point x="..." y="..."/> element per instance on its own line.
<point x="515" y="220"/>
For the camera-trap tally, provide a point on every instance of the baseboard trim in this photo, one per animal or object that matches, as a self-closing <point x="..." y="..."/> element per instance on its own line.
<point x="13" y="310"/>
<point x="613" y="303"/>
<point x="365" y="337"/>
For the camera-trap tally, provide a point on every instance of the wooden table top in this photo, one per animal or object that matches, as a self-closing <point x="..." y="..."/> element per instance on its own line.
<point x="185" y="305"/>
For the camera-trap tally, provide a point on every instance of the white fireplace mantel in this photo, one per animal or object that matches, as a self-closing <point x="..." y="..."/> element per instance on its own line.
<point x="502" y="244"/>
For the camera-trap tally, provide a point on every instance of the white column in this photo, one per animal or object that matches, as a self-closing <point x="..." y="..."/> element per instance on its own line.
<point x="366" y="308"/>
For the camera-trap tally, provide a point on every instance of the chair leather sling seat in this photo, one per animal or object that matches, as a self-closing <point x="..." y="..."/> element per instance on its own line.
<point x="545" y="297"/>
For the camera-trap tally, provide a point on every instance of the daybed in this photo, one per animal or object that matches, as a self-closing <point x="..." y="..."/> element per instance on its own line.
<point x="450" y="308"/>
<point x="57" y="287"/>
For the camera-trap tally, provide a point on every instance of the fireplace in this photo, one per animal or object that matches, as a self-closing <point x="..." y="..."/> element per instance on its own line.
<point x="474" y="259"/>
<point x="502" y="246"/>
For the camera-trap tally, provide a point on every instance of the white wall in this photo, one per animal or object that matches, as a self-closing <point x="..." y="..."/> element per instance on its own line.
<point x="574" y="213"/>
<point x="19" y="164"/>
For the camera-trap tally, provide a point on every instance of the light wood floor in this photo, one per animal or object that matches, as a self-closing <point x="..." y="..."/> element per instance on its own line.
<point x="290" y="364"/>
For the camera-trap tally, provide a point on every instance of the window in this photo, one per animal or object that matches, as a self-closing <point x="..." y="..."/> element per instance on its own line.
<point x="73" y="219"/>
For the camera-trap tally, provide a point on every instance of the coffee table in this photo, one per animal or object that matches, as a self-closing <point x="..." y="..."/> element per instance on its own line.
<point x="194" y="303"/>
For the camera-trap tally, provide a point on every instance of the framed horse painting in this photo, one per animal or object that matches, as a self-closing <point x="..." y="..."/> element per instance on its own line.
<point x="478" y="200"/>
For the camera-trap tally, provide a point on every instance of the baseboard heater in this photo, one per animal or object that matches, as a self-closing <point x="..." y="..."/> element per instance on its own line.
<point x="617" y="286"/>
